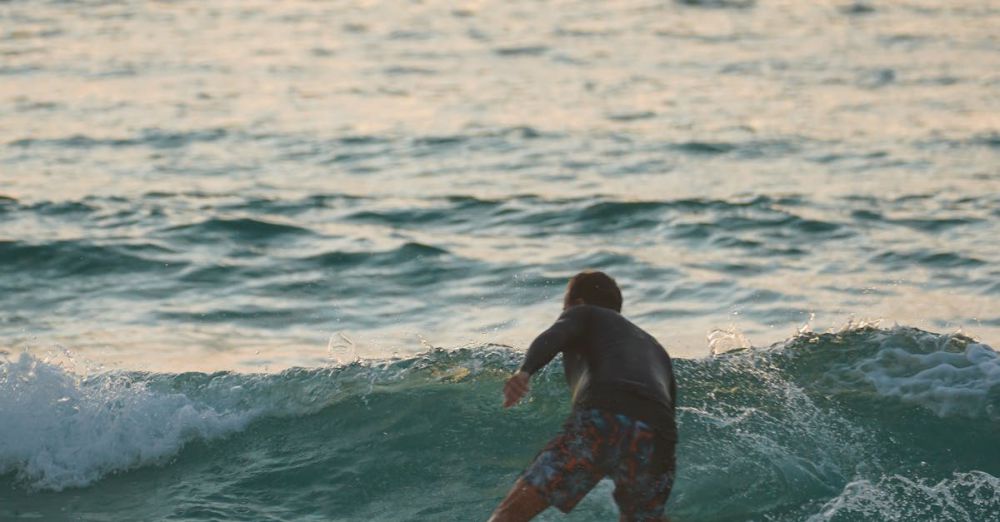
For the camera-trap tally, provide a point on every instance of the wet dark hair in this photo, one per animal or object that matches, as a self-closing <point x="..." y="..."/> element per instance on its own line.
<point x="595" y="288"/>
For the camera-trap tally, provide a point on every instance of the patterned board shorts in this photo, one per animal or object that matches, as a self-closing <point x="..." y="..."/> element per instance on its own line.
<point x="595" y="444"/>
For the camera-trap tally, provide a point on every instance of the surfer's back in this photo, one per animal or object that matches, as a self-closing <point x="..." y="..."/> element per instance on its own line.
<point x="614" y="365"/>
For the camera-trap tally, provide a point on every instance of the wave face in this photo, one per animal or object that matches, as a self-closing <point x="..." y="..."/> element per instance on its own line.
<point x="865" y="424"/>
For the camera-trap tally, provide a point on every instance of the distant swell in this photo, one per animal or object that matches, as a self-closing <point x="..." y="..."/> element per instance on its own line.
<point x="245" y="229"/>
<point x="406" y="253"/>
<point x="157" y="138"/>
<point x="80" y="258"/>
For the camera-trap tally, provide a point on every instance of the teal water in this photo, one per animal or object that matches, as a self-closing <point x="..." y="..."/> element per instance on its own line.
<point x="266" y="260"/>
<point x="864" y="424"/>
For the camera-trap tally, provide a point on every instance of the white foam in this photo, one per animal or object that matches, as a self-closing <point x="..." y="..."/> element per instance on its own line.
<point x="944" y="382"/>
<point x="726" y="340"/>
<point x="963" y="496"/>
<point x="59" y="430"/>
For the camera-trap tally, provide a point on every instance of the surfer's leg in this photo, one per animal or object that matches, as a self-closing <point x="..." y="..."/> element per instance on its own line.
<point x="522" y="504"/>
<point x="644" y="475"/>
<point x="644" y="498"/>
<point x="567" y="469"/>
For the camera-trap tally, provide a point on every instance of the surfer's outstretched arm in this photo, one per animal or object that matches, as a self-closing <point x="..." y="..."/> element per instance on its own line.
<point x="562" y="334"/>
<point x="542" y="350"/>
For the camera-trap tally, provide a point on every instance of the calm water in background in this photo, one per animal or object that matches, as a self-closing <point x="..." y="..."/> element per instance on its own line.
<point x="252" y="186"/>
<point x="188" y="185"/>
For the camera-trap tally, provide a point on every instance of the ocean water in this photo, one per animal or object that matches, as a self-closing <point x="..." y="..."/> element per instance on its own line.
<point x="864" y="424"/>
<point x="272" y="261"/>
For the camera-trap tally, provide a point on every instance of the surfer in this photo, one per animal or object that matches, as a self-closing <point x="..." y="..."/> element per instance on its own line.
<point x="622" y="423"/>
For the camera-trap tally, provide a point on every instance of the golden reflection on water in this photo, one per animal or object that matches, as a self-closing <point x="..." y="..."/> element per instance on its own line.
<point x="911" y="83"/>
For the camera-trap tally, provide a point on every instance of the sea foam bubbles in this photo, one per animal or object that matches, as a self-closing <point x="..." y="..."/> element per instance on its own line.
<point x="918" y="370"/>
<point x="61" y="430"/>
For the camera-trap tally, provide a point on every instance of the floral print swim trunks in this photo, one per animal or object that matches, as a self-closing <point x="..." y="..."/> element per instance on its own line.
<point x="595" y="444"/>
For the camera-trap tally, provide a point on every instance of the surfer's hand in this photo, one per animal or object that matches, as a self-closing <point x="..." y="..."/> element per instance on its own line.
<point x="516" y="388"/>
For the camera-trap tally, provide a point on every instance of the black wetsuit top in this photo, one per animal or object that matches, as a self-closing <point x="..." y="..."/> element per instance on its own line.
<point x="611" y="364"/>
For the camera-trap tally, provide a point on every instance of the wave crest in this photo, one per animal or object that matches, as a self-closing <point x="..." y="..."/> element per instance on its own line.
<point x="807" y="418"/>
<point x="62" y="431"/>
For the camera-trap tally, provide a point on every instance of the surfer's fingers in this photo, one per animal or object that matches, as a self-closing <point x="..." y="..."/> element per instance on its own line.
<point x="513" y="391"/>
<point x="511" y="398"/>
<point x="516" y="385"/>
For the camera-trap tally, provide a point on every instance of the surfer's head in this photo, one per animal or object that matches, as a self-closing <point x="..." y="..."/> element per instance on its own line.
<point x="594" y="288"/>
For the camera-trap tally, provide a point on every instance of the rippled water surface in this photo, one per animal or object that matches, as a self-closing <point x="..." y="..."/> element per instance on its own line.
<point x="228" y="185"/>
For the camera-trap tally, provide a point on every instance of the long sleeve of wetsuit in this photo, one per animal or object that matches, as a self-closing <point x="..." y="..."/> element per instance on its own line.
<point x="673" y="386"/>
<point x="559" y="337"/>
